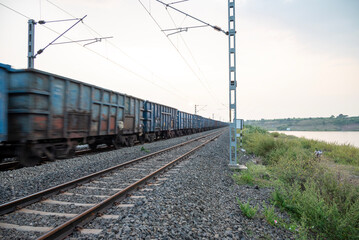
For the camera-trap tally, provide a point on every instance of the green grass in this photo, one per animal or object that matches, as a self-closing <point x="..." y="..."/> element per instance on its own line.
<point x="270" y="215"/>
<point x="247" y="209"/>
<point x="143" y="149"/>
<point x="254" y="175"/>
<point x="319" y="200"/>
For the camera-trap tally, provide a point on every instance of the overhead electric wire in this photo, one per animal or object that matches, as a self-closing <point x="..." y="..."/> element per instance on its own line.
<point x="14" y="10"/>
<point x="99" y="54"/>
<point x="194" y="59"/>
<point x="68" y="14"/>
<point x="184" y="96"/>
<point x="178" y="51"/>
<point x="188" y="49"/>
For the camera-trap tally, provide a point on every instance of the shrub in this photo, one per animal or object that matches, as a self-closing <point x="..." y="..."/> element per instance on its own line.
<point x="345" y="154"/>
<point x="309" y="205"/>
<point x="259" y="144"/>
<point x="274" y="134"/>
<point x="320" y="200"/>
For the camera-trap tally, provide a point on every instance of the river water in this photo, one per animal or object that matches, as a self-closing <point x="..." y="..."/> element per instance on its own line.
<point x="351" y="138"/>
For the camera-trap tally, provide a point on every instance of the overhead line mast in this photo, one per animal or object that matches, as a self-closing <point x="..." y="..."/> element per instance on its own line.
<point x="233" y="163"/>
<point x="232" y="85"/>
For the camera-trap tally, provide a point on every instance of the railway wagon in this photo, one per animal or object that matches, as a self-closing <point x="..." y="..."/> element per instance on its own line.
<point x="184" y="123"/>
<point x="3" y="104"/>
<point x="159" y="121"/>
<point x="48" y="115"/>
<point x="206" y="124"/>
<point x="198" y="122"/>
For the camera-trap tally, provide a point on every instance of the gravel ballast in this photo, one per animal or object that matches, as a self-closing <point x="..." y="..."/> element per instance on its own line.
<point x="22" y="182"/>
<point x="196" y="202"/>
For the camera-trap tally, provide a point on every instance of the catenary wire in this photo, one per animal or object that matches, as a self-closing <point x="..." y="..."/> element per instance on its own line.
<point x="100" y="55"/>
<point x="188" y="49"/>
<point x="119" y="49"/>
<point x="194" y="59"/>
<point x="184" y="59"/>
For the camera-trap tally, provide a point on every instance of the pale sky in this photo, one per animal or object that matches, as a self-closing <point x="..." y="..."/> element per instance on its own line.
<point x="295" y="58"/>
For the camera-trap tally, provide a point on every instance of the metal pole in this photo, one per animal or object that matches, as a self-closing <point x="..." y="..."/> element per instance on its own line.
<point x="31" y="44"/>
<point x="232" y="85"/>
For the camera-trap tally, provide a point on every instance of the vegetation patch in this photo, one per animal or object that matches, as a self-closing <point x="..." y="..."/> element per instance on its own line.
<point x="319" y="200"/>
<point x="247" y="209"/>
<point x="338" y="123"/>
<point x="143" y="149"/>
<point x="254" y="175"/>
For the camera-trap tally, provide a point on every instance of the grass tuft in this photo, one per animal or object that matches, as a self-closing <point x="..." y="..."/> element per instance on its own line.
<point x="254" y="175"/>
<point x="247" y="209"/>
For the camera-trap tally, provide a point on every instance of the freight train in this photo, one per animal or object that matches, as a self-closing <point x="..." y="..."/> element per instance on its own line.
<point x="43" y="115"/>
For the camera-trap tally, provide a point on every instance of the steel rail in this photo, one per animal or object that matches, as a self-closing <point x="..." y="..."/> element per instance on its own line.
<point x="81" y="219"/>
<point x="27" y="200"/>
<point x="5" y="166"/>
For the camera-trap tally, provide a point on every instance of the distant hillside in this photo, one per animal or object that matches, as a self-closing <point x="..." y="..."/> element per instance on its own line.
<point x="339" y="123"/>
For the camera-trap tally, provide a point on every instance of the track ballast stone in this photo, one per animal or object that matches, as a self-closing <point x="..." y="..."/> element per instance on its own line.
<point x="25" y="181"/>
<point x="196" y="202"/>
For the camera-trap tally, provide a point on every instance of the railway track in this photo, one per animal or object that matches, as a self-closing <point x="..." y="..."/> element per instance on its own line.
<point x="80" y="151"/>
<point x="9" y="165"/>
<point x="56" y="212"/>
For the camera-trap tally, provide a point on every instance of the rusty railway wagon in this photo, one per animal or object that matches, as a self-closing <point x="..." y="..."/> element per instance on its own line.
<point x="47" y="115"/>
<point x="159" y="121"/>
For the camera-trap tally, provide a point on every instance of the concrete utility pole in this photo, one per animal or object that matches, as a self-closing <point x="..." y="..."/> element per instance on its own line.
<point x="233" y="163"/>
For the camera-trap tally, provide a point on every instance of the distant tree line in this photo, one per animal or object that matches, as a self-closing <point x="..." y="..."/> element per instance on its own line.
<point x="339" y="123"/>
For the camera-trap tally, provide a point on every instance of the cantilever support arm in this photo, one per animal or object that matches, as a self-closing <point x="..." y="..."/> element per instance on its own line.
<point x="197" y="19"/>
<point x="41" y="50"/>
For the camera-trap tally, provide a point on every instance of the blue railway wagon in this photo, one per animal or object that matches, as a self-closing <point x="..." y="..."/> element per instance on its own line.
<point x="133" y="121"/>
<point x="159" y="121"/>
<point x="3" y="102"/>
<point x="190" y="122"/>
<point x="51" y="114"/>
<point x="205" y="124"/>
<point x="184" y="123"/>
<point x="211" y="123"/>
<point x="196" y="123"/>
<point x="199" y="123"/>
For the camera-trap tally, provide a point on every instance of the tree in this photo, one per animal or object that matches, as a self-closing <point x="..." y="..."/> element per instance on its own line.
<point x="342" y="116"/>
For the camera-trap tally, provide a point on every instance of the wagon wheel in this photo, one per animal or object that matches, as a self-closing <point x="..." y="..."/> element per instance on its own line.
<point x="27" y="158"/>
<point x="130" y="141"/>
<point x="71" y="152"/>
<point x="142" y="139"/>
<point x="116" y="142"/>
<point x="152" y="137"/>
<point x="93" y="146"/>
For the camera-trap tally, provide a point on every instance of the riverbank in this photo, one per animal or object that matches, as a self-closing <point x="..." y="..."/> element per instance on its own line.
<point x="320" y="193"/>
<point x="339" y="138"/>
<point x="339" y="123"/>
